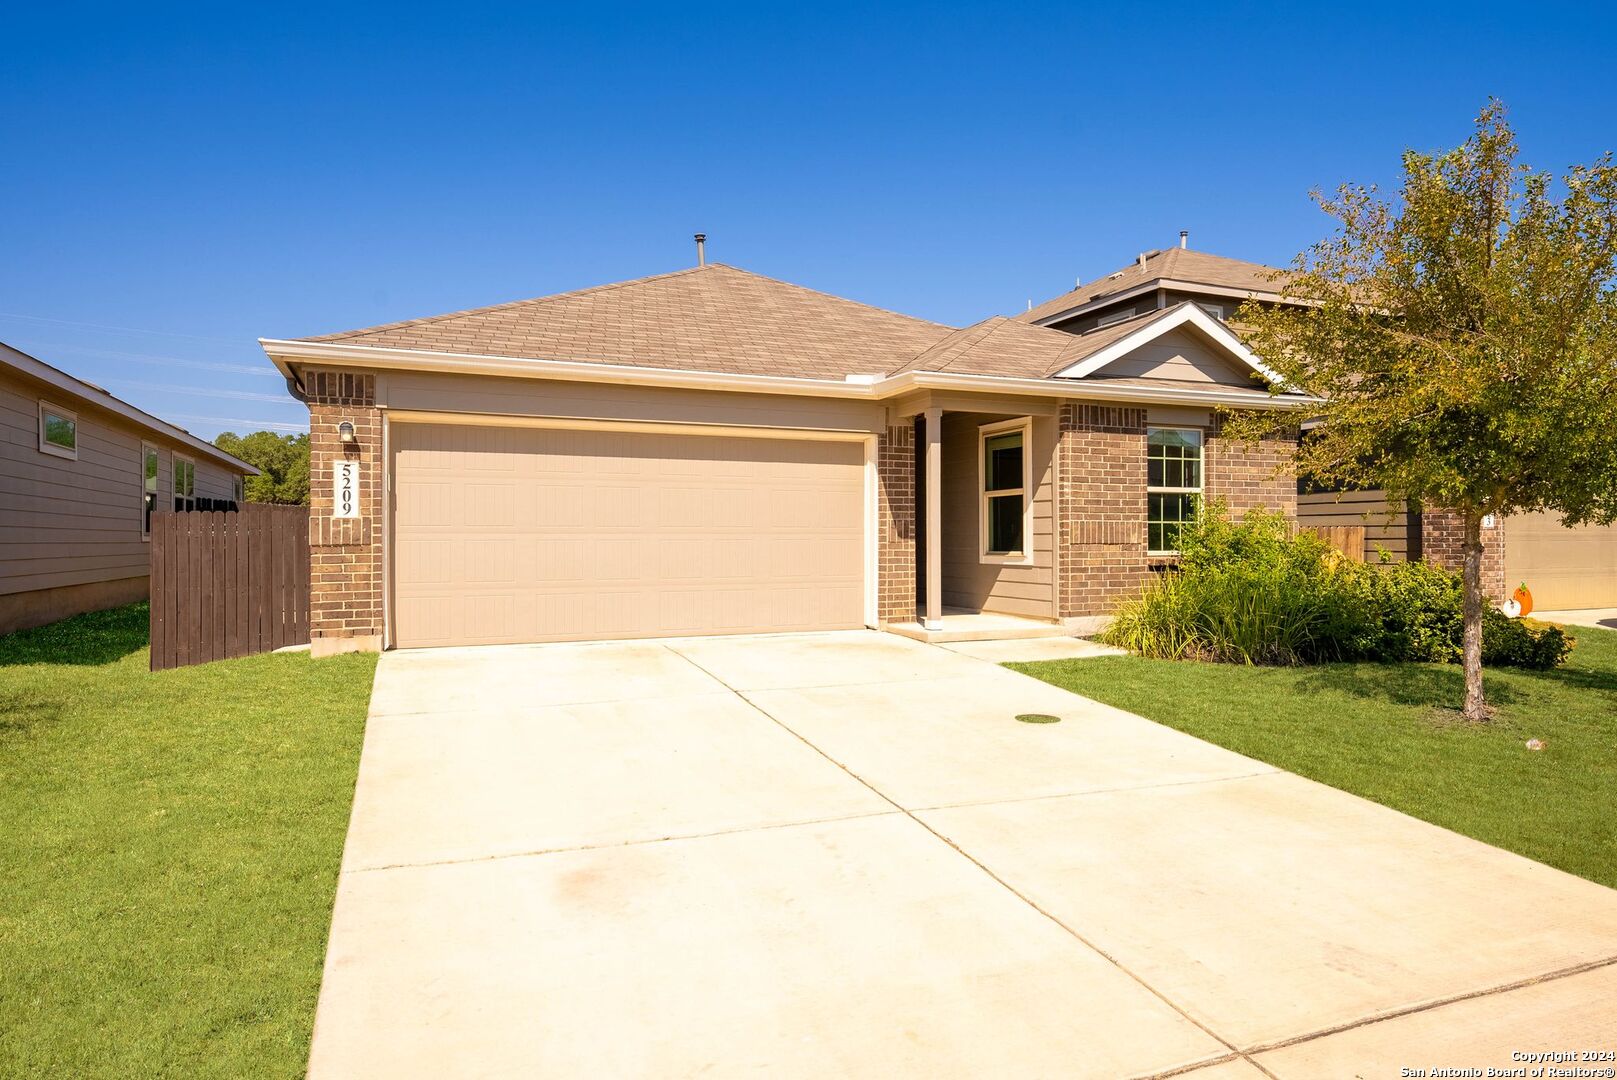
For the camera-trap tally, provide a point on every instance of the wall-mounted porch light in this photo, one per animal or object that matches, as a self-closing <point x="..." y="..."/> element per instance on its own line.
<point x="345" y="432"/>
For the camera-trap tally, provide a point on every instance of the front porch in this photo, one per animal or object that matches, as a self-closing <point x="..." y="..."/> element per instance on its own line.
<point x="984" y="553"/>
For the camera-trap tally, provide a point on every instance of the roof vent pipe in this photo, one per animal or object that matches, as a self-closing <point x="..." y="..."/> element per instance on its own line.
<point x="1142" y="260"/>
<point x="701" y="255"/>
<point x="1184" y="238"/>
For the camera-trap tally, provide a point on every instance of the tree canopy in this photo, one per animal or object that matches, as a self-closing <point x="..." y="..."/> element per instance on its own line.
<point x="283" y="461"/>
<point x="1464" y="338"/>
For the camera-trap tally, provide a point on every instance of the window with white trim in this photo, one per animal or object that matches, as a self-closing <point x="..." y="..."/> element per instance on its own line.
<point x="185" y="483"/>
<point x="58" y="431"/>
<point x="148" y="488"/>
<point x="1215" y="310"/>
<point x="1173" y="485"/>
<point x="1003" y="476"/>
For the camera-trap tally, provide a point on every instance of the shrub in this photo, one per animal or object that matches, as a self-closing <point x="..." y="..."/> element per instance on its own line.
<point x="1255" y="592"/>
<point x="1524" y="643"/>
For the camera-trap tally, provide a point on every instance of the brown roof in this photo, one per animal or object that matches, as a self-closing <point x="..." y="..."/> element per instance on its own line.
<point x="1001" y="346"/>
<point x="709" y="318"/>
<point x="1169" y="264"/>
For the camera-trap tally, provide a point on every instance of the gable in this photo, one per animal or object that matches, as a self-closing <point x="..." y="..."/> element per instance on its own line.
<point x="1180" y="355"/>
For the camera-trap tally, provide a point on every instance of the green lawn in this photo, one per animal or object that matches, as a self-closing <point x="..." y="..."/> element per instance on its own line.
<point x="169" y="852"/>
<point x="1392" y="733"/>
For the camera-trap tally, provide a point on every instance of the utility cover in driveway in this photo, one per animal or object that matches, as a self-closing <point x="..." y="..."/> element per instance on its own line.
<point x="507" y="535"/>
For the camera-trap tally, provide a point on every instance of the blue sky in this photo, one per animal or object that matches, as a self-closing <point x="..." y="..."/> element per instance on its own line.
<point x="176" y="183"/>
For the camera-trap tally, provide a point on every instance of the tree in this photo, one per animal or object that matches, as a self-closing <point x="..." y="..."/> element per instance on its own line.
<point x="1464" y="336"/>
<point x="282" y="461"/>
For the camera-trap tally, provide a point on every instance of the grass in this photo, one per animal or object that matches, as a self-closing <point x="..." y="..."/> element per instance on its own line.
<point x="1392" y="733"/>
<point x="169" y="852"/>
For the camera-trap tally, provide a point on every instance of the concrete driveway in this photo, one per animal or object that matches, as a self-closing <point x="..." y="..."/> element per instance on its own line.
<point x="841" y="854"/>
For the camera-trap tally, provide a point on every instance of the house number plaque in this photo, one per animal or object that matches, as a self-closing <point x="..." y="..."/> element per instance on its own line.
<point x="345" y="489"/>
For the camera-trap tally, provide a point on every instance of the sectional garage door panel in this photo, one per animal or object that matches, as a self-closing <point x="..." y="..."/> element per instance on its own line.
<point x="506" y="535"/>
<point x="1564" y="568"/>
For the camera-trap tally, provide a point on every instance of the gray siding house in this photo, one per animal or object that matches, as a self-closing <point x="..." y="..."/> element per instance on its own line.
<point x="79" y="472"/>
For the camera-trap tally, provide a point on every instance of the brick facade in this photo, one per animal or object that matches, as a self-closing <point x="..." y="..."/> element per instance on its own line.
<point x="1100" y="506"/>
<point x="1442" y="543"/>
<point x="1101" y="478"/>
<point x="345" y="572"/>
<point x="895" y="522"/>
<point x="1246" y="476"/>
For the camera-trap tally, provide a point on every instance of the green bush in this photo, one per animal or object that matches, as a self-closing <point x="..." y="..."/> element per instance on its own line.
<point x="1254" y="592"/>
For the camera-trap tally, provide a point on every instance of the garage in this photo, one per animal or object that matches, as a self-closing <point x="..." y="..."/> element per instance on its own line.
<point x="504" y="535"/>
<point x="1563" y="568"/>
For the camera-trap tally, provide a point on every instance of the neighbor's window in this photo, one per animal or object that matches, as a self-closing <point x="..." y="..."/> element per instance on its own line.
<point x="148" y="488"/>
<point x="1173" y="484"/>
<point x="185" y="483"/>
<point x="1004" y="488"/>
<point x="1121" y="315"/>
<point x="236" y="488"/>
<point x="58" y="431"/>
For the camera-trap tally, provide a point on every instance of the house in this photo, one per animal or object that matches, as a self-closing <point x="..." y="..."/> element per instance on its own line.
<point x="80" y="473"/>
<point x="712" y="451"/>
<point x="1565" y="568"/>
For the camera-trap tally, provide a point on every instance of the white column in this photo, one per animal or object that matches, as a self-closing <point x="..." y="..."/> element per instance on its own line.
<point x="934" y="520"/>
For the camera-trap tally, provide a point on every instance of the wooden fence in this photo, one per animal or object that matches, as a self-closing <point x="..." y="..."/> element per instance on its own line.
<point x="228" y="584"/>
<point x="1348" y="539"/>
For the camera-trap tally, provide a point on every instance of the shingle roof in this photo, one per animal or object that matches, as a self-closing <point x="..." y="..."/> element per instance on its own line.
<point x="1171" y="264"/>
<point x="710" y="318"/>
<point x="1002" y="346"/>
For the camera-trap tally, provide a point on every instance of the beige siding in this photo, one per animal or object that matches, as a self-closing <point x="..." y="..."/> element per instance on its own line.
<point x="1563" y="568"/>
<point x="1180" y="355"/>
<point x="968" y="582"/>
<point x="1385" y="525"/>
<point x="598" y="401"/>
<point x="538" y="534"/>
<point x="66" y="522"/>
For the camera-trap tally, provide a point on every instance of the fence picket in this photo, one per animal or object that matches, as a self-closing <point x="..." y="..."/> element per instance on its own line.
<point x="227" y="583"/>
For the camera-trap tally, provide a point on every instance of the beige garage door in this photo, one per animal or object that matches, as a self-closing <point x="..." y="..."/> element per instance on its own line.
<point x="1564" y="568"/>
<point x="531" y="534"/>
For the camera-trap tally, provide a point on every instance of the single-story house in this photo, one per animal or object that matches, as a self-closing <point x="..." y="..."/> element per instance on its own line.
<point x="711" y="451"/>
<point x="80" y="473"/>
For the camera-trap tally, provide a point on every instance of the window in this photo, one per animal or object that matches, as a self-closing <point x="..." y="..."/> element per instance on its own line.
<point x="148" y="488"/>
<point x="1004" y="482"/>
<point x="236" y="491"/>
<point x="58" y="431"/>
<point x="185" y="483"/>
<point x="1114" y="317"/>
<point x="1215" y="310"/>
<point x="1173" y="485"/>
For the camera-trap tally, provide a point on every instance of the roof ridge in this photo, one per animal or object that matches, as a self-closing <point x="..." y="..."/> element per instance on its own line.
<point x="549" y="297"/>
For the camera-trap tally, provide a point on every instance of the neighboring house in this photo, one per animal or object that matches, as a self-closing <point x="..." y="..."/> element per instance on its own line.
<point x="711" y="451"/>
<point x="1564" y="568"/>
<point x="79" y="472"/>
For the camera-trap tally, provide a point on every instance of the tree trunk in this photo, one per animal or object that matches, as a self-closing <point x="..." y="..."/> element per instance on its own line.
<point x="1476" y="709"/>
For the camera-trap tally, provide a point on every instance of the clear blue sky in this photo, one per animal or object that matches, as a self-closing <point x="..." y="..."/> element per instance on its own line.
<point x="174" y="185"/>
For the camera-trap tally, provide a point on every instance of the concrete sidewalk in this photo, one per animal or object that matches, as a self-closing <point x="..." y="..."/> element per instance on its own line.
<point x="840" y="854"/>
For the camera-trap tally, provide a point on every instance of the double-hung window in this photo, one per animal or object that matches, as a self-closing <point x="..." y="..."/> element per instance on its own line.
<point x="1173" y="485"/>
<point x="148" y="488"/>
<point x="1004" y="483"/>
<point x="185" y="483"/>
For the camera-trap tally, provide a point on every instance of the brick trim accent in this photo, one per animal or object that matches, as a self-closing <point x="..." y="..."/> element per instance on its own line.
<point x="345" y="573"/>
<point x="895" y="523"/>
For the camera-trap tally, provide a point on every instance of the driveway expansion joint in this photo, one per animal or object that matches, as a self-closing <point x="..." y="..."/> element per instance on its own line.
<point x="1235" y="1051"/>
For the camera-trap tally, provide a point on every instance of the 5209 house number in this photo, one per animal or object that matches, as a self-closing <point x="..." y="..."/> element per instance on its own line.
<point x="345" y="489"/>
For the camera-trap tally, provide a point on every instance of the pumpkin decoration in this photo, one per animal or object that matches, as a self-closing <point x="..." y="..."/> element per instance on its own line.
<point x="1524" y="598"/>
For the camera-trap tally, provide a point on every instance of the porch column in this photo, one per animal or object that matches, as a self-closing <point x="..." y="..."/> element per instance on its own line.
<point x="934" y="520"/>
